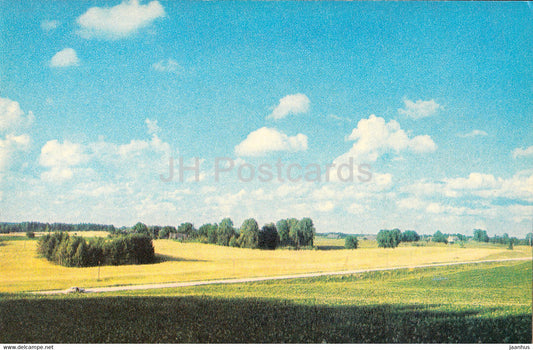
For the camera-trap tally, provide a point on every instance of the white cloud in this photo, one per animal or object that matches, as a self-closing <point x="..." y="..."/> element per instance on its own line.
<point x="119" y="21"/>
<point x="422" y="144"/>
<point x="11" y="145"/>
<point x="326" y="206"/>
<point x="522" y="152"/>
<point x="420" y="109"/>
<point x="65" y="58"/>
<point x="49" y="25"/>
<point x="12" y="121"/>
<point x="474" y="133"/>
<point x="519" y="187"/>
<point x="66" y="154"/>
<point x="265" y="140"/>
<point x="60" y="158"/>
<point x="152" y="126"/>
<point x="475" y="181"/>
<point x="168" y="65"/>
<point x="12" y="116"/>
<point x="290" y="104"/>
<point x="374" y="137"/>
<point x="57" y="174"/>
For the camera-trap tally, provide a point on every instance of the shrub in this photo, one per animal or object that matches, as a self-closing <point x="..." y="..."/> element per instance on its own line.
<point x="30" y="234"/>
<point x="350" y="242"/>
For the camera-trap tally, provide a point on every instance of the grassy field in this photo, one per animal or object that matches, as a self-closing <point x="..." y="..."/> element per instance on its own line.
<point x="489" y="303"/>
<point x="22" y="270"/>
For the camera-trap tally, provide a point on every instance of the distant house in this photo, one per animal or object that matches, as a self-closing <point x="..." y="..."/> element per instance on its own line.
<point x="178" y="236"/>
<point x="453" y="239"/>
<point x="182" y="236"/>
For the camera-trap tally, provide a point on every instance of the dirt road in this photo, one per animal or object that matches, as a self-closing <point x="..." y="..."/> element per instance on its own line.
<point x="267" y="278"/>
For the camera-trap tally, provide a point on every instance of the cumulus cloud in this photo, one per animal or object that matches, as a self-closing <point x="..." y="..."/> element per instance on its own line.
<point x="12" y="117"/>
<point x="290" y="104"/>
<point x="522" y="152"/>
<point x="474" y="181"/>
<point x="65" y="58"/>
<point x="419" y="109"/>
<point x="474" y="133"/>
<point x="517" y="187"/>
<point x="374" y="137"/>
<point x="167" y="66"/>
<point x="133" y="160"/>
<point x="9" y="146"/>
<point x="60" y="158"/>
<point x="49" y="25"/>
<point x="118" y="22"/>
<point x="266" y="140"/>
<point x="12" y="121"/>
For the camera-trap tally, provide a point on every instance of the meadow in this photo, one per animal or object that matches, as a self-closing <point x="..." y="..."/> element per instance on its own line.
<point x="23" y="271"/>
<point x="473" y="303"/>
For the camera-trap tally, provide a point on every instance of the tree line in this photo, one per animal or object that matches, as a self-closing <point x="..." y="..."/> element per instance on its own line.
<point x="392" y="238"/>
<point x="285" y="233"/>
<point x="76" y="251"/>
<point x="30" y="226"/>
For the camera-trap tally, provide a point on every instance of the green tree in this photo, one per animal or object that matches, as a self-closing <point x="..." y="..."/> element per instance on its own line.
<point x="480" y="235"/>
<point x="30" y="234"/>
<point x="283" y="232"/>
<point x="203" y="230"/>
<point x="233" y="242"/>
<point x="187" y="229"/>
<point x="212" y="233"/>
<point x="410" y="236"/>
<point x="225" y="231"/>
<point x="154" y="231"/>
<point x="249" y="234"/>
<point x="439" y="237"/>
<point x="306" y="232"/>
<point x="389" y="238"/>
<point x="166" y="231"/>
<point x="268" y="237"/>
<point x="529" y="239"/>
<point x="81" y="257"/>
<point x="351" y="242"/>
<point x="140" y="228"/>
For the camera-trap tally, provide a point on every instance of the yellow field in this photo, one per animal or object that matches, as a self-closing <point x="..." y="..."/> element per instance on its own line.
<point x="22" y="270"/>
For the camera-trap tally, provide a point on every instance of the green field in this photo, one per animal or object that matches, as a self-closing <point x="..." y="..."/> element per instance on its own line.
<point x="489" y="303"/>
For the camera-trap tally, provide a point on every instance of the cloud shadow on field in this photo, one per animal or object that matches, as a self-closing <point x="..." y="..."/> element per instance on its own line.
<point x="200" y="319"/>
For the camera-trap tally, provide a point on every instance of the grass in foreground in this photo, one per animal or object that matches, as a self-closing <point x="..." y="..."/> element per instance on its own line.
<point x="489" y="303"/>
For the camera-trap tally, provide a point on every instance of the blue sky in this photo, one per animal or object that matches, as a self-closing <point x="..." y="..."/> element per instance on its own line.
<point x="435" y="98"/>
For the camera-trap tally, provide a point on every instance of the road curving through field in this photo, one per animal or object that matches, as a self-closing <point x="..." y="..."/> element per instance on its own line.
<point x="265" y="278"/>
